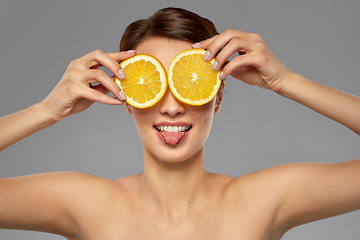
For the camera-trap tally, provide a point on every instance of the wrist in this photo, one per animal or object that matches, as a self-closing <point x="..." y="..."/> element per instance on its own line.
<point x="290" y="84"/>
<point x="44" y="116"/>
<point x="19" y="125"/>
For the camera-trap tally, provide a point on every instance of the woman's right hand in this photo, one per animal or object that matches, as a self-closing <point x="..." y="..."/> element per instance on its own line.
<point x="77" y="89"/>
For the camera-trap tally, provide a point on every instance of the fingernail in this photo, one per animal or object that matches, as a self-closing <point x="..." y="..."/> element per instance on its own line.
<point x="196" y="45"/>
<point x="221" y="75"/>
<point x="122" y="96"/>
<point x="122" y="74"/>
<point x="131" y="51"/>
<point x="207" y="56"/>
<point x="214" y="66"/>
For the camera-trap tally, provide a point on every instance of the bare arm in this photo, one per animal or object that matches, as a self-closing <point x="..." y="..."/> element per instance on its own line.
<point x="55" y="202"/>
<point x="48" y="202"/>
<point x="21" y="124"/>
<point x="73" y="94"/>
<point x="37" y="202"/>
<point x="316" y="191"/>
<point x="305" y="191"/>
<point x="256" y="65"/>
<point x="336" y="105"/>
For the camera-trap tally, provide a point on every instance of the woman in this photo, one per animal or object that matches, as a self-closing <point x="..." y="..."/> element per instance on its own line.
<point x="175" y="198"/>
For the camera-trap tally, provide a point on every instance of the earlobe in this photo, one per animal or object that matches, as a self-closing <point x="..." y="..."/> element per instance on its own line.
<point x="218" y="103"/>
<point x="219" y="97"/>
<point x="128" y="108"/>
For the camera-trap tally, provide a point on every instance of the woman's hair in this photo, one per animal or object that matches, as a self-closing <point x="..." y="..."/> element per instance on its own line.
<point x="174" y="23"/>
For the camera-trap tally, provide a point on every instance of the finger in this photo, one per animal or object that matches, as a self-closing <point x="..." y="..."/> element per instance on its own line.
<point x="120" y="56"/>
<point x="99" y="87"/>
<point x="224" y="38"/>
<point x="253" y="59"/>
<point x="88" y="77"/>
<point x="97" y="75"/>
<point x="204" y="44"/>
<point x="239" y="45"/>
<point x="121" y="94"/>
<point x="98" y="58"/>
<point x="96" y="96"/>
<point x="104" y="90"/>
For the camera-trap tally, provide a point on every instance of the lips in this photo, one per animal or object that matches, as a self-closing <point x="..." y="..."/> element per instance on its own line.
<point x="172" y="133"/>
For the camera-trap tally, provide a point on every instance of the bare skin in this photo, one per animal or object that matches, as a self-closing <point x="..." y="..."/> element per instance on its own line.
<point x="175" y="198"/>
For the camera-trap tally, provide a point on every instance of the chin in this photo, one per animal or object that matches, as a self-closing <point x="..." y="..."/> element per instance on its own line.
<point x="174" y="154"/>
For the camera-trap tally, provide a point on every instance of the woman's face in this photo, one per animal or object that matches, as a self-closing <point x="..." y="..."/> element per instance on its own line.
<point x="179" y="145"/>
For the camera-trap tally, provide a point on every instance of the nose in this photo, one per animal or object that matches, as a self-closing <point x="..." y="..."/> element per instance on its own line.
<point x="171" y="106"/>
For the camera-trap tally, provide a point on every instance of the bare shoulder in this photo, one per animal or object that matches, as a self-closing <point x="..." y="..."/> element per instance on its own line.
<point x="76" y="188"/>
<point x="275" y="183"/>
<point x="257" y="197"/>
<point x="67" y="184"/>
<point x="90" y="190"/>
<point x="298" y="193"/>
<point x="93" y="199"/>
<point x="270" y="179"/>
<point x="286" y="177"/>
<point x="75" y="182"/>
<point x="51" y="202"/>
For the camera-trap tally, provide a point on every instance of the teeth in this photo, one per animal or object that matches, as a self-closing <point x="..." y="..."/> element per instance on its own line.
<point x="172" y="128"/>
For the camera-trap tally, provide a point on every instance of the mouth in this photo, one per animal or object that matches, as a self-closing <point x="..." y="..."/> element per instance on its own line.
<point x="171" y="134"/>
<point x="172" y="128"/>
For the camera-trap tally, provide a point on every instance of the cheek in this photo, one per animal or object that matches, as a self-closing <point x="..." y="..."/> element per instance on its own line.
<point x="205" y="115"/>
<point x="207" y="124"/>
<point x="143" y="119"/>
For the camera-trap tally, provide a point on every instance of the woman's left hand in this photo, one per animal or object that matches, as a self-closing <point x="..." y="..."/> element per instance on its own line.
<point x="255" y="64"/>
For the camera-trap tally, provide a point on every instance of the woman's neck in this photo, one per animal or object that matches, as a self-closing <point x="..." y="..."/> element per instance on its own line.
<point x="175" y="187"/>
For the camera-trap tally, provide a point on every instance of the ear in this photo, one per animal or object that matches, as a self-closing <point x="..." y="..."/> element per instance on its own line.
<point x="128" y="108"/>
<point x="219" y="97"/>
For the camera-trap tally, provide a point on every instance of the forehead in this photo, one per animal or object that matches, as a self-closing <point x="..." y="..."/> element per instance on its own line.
<point x="163" y="49"/>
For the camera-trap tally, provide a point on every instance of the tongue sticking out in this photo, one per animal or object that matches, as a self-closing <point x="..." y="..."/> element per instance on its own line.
<point x="172" y="137"/>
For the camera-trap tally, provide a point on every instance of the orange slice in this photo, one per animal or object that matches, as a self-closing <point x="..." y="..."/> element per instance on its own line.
<point x="191" y="79"/>
<point x="145" y="83"/>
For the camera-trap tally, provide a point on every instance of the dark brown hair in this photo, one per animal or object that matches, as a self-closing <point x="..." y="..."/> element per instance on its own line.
<point x="174" y="23"/>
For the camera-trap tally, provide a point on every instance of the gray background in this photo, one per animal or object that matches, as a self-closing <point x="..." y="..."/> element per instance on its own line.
<point x="255" y="128"/>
